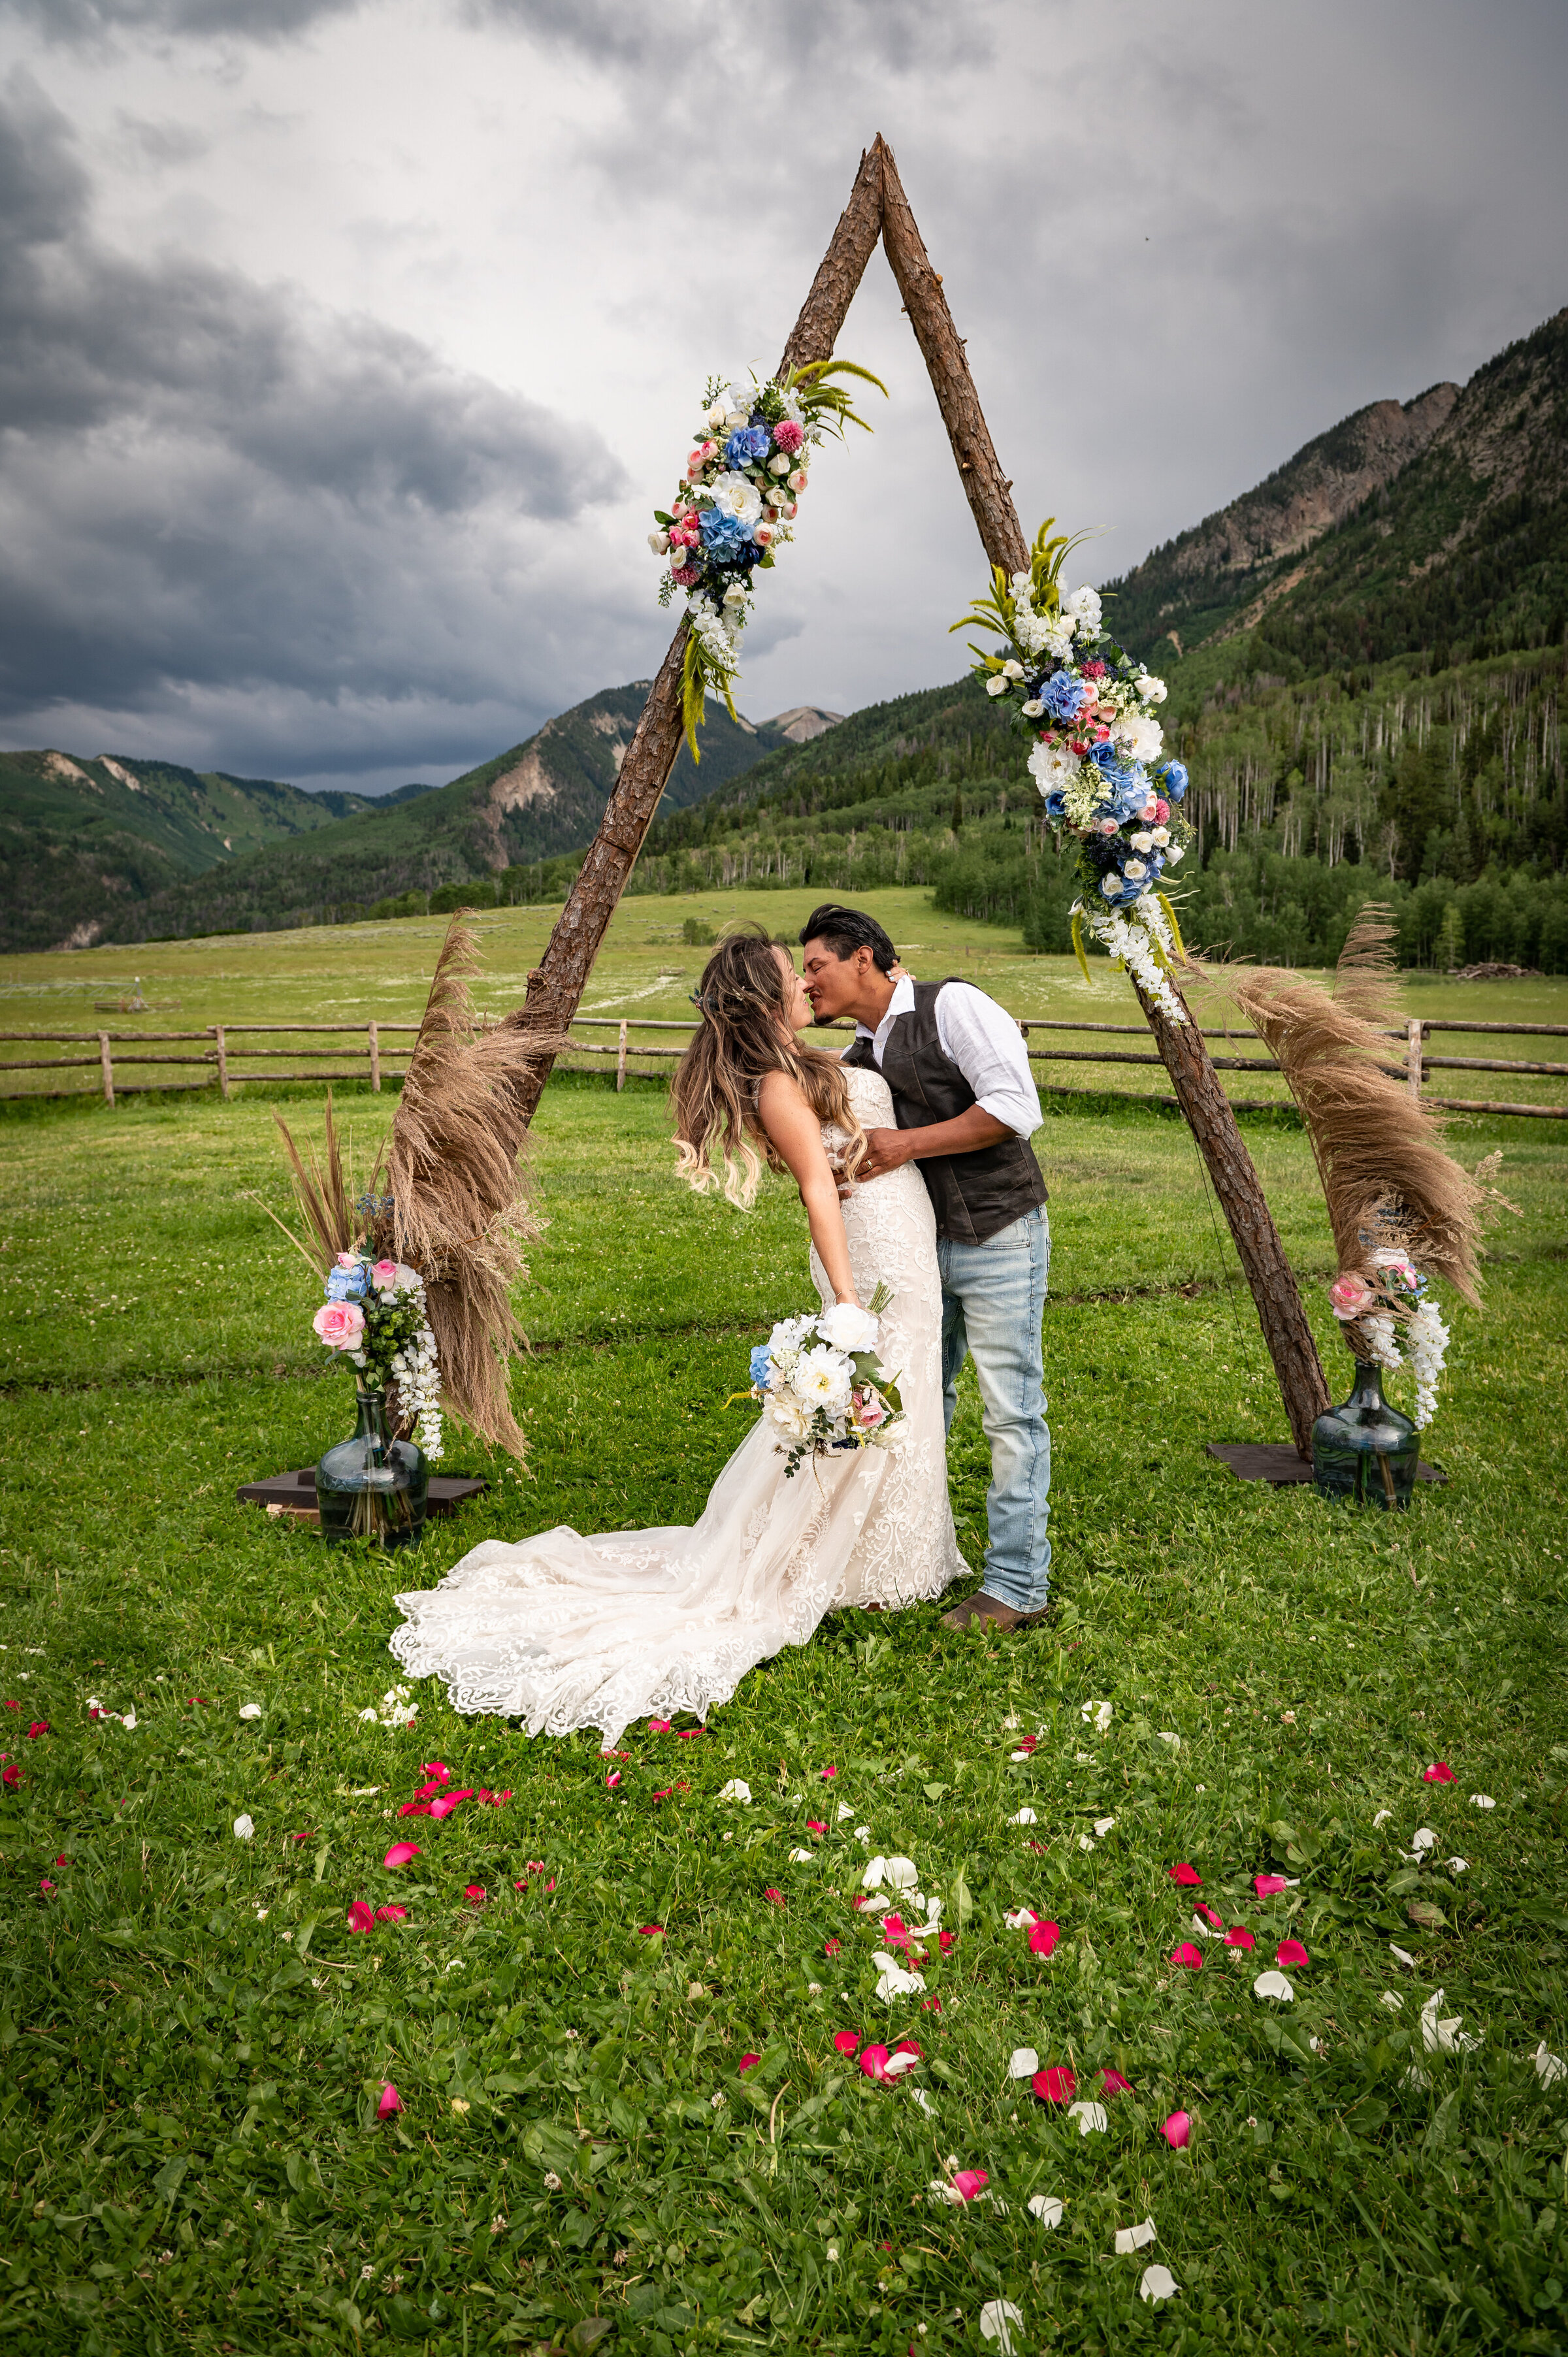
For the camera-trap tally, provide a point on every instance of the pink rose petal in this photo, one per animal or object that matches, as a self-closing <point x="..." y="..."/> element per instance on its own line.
<point x="1215" y="1923"/>
<point x="1291" y="1951"/>
<point x="476" y="1894"/>
<point x="659" y="1726"/>
<point x="1056" y="2085"/>
<point x="828" y="1772"/>
<point x="815" y="1825"/>
<point x="1239" y="1937"/>
<point x="945" y="1940"/>
<point x="1177" y="2130"/>
<point x="435" y="1768"/>
<point x="907" y="2046"/>
<point x="846" y="2040"/>
<point x="749" y="2061"/>
<point x="1112" y="2082"/>
<point x="832" y="1947"/>
<point x="776" y="1896"/>
<point x="392" y="1915"/>
<point x="686" y="1733"/>
<point x="651" y="1931"/>
<point x="1188" y="1955"/>
<point x="401" y="1853"/>
<point x="1268" y="1886"/>
<point x="415" y="1809"/>
<point x="1188" y="1875"/>
<point x="361" y="1917"/>
<point x="391" y="2102"/>
<point x="665" y="1794"/>
<point x="873" y="2061"/>
<point x="40" y="1727"/>
<point x="1043" y="1938"/>
<point x="612" y="1779"/>
<point x="1439" y="1772"/>
<point x="968" y="2182"/>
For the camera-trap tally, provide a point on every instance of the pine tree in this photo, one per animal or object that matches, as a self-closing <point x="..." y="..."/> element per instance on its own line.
<point x="957" y="808"/>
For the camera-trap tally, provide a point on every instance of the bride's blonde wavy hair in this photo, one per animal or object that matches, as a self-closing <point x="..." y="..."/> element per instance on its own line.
<point x="745" y="1034"/>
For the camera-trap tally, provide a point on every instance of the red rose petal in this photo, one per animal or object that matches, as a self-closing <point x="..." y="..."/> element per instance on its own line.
<point x="1291" y="1951"/>
<point x="846" y="2040"/>
<point x="1056" y="2085"/>
<point x="401" y="1854"/>
<point x="1239" y="1936"/>
<point x="1188" y="1955"/>
<point x="1439" y="1772"/>
<point x="1043" y="1938"/>
<point x="1188" y="1875"/>
<point x="361" y="1917"/>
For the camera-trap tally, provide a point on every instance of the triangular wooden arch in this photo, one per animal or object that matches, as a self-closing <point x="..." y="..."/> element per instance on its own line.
<point x="878" y="207"/>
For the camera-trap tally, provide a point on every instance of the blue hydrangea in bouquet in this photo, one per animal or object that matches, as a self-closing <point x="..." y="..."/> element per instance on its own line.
<point x="822" y="1384"/>
<point x="736" y="503"/>
<point x="1098" y="758"/>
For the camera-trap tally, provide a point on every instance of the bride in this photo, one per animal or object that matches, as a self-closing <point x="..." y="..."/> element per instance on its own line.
<point x="563" y="1631"/>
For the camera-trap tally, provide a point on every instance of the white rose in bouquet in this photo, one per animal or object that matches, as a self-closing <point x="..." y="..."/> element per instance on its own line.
<point x="1152" y="690"/>
<point x="738" y="495"/>
<point x="848" y="1327"/>
<point x="786" y="1411"/>
<point x="822" y="1379"/>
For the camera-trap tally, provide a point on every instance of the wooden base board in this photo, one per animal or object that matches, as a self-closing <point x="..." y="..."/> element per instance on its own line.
<point x="1276" y="1461"/>
<point x="295" y="1493"/>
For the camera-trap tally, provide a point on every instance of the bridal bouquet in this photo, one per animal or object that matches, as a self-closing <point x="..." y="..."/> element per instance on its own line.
<point x="820" y="1381"/>
<point x="374" y="1315"/>
<point x="736" y="504"/>
<point x="1097" y="757"/>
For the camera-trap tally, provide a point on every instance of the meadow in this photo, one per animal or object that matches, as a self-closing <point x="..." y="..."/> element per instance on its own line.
<point x="617" y="2015"/>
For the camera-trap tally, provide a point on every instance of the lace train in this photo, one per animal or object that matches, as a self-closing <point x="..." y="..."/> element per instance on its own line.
<point x="564" y="1631"/>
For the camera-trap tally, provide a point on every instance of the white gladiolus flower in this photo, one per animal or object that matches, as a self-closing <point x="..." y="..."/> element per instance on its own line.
<point x="1084" y="605"/>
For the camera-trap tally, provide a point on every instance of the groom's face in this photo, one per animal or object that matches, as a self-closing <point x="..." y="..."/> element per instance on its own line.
<point x="833" y="984"/>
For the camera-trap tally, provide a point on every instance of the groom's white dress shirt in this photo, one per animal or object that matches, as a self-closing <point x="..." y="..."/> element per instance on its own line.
<point x="982" y="1039"/>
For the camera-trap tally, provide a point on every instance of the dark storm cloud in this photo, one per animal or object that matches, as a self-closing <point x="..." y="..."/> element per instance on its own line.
<point x="204" y="481"/>
<point x="93" y="20"/>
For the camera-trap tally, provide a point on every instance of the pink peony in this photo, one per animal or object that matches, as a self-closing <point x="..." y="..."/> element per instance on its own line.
<point x="1350" y="1295"/>
<point x="787" y="436"/>
<point x="339" y="1324"/>
<point x="1162" y="810"/>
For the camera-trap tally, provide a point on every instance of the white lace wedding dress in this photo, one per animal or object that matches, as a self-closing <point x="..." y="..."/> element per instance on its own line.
<point x="563" y="1631"/>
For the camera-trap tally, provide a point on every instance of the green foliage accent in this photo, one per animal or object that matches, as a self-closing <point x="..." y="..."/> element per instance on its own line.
<point x="825" y="403"/>
<point x="187" y="2108"/>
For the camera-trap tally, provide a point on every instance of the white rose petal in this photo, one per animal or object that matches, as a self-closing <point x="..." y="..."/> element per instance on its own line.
<point x="996" y="2319"/>
<point x="1084" y="1841"/>
<point x="1423" y="1838"/>
<point x="250" y="1710"/>
<point x="893" y="1980"/>
<point x="1158" y="2282"/>
<point x="1392" y="2000"/>
<point x="1482" y="1801"/>
<point x="1168" y="1734"/>
<point x="897" y="1873"/>
<point x="244" y="1828"/>
<point x="802" y="1857"/>
<point x="1134" y="2238"/>
<point x="1382" y="1818"/>
<point x="1273" y="1984"/>
<point x="1102" y="1827"/>
<point x="1403" y="1956"/>
<point x="863" y="1835"/>
<point x="1457" y="1865"/>
<point x="1090" y="2118"/>
<point x="736" y="1790"/>
<point x="1045" y="2207"/>
<point x="1550" y="2069"/>
<point x="1444" y="2037"/>
<point x="844" y="1812"/>
<point x="1024" y="1818"/>
<point x="1023" y="2062"/>
<point x="1100" y="1713"/>
<point x="369" y="1712"/>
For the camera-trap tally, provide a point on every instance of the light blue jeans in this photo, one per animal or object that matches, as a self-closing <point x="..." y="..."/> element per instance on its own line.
<point x="993" y="1296"/>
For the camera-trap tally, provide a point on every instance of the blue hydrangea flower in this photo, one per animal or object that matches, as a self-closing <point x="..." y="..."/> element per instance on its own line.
<point x="1173" y="778"/>
<point x="1064" y="696"/>
<point x="725" y="537"/>
<point x="760" y="1365"/>
<point x="747" y="442"/>
<point x="347" y="1284"/>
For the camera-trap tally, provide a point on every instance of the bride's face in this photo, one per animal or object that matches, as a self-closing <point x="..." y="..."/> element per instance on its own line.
<point x="798" y="1012"/>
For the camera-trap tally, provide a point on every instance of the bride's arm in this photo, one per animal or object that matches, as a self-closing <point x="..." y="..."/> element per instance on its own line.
<point x="796" y="1135"/>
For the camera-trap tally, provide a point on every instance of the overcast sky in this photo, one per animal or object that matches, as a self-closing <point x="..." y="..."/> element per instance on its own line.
<point x="346" y="344"/>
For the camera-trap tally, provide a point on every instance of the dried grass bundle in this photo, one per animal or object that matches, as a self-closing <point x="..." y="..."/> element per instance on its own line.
<point x="460" y="1215"/>
<point x="336" y="1213"/>
<point x="1387" y="1178"/>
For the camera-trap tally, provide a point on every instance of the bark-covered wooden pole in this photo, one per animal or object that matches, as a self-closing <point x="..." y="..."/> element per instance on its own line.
<point x="1181" y="1045"/>
<point x="556" y="983"/>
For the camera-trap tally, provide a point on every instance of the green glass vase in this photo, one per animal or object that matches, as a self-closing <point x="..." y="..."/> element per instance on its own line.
<point x="372" y="1487"/>
<point x="1365" y="1450"/>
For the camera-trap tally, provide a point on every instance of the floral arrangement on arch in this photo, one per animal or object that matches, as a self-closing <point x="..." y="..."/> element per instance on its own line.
<point x="1098" y="758"/>
<point x="735" y="503"/>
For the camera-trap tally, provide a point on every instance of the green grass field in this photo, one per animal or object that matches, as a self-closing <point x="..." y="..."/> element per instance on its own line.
<point x="352" y="974"/>
<point x="194" y="2043"/>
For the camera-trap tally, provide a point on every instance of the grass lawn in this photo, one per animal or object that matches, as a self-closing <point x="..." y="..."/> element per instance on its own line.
<point x="195" y="2042"/>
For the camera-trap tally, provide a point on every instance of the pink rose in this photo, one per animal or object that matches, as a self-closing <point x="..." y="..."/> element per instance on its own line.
<point x="1350" y="1295"/>
<point x="762" y="533"/>
<point x="787" y="436"/>
<point x="1108" y="825"/>
<point x="348" y="1259"/>
<point x="797" y="480"/>
<point x="385" y="1275"/>
<point x="869" y="1413"/>
<point x="339" y="1324"/>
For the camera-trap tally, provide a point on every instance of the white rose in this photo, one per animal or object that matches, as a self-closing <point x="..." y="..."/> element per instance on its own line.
<point x="658" y="541"/>
<point x="848" y="1327"/>
<point x="996" y="685"/>
<point x="798" y="480"/>
<point x="1172" y="855"/>
<point x="1011" y="670"/>
<point x="1152" y="690"/>
<point x="738" y="495"/>
<point x="786" y="1411"/>
<point x="733" y="419"/>
<point x="1160" y="835"/>
<point x="779" y="464"/>
<point x="1033" y="709"/>
<point x="734" y="595"/>
<point x="1134" y="871"/>
<point x="1110" y="886"/>
<point x="1142" y="840"/>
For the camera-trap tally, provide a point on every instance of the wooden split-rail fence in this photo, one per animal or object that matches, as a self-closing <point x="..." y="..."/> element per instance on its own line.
<point x="224" y="1055"/>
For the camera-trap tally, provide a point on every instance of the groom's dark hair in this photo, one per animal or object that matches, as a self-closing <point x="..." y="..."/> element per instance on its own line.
<point x="848" y="930"/>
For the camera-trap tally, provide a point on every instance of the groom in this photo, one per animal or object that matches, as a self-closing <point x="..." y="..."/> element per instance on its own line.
<point x="966" y="1107"/>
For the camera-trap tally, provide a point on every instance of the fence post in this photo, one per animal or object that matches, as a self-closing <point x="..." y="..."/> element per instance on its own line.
<point x="375" y="1060"/>
<point x="107" y="1061"/>
<point x="620" y="1062"/>
<point x="217" y="1031"/>
<point x="1412" y="1059"/>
